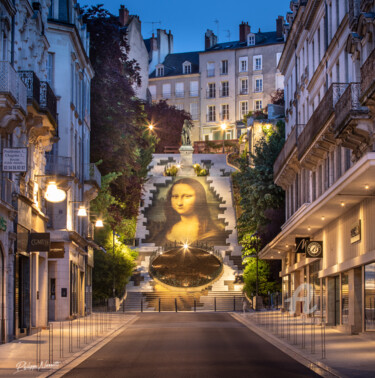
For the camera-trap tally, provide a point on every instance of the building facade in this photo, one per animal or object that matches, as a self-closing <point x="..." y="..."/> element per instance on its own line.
<point x="233" y="78"/>
<point x="326" y="164"/>
<point x="70" y="262"/>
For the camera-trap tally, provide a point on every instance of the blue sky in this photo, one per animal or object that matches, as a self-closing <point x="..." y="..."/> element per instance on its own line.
<point x="189" y="20"/>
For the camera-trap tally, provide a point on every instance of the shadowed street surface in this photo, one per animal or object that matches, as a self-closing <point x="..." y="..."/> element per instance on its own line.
<point x="189" y="345"/>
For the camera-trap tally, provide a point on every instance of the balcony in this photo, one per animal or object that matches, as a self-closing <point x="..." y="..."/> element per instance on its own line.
<point x="59" y="166"/>
<point x="244" y="91"/>
<point x="180" y="94"/>
<point x="289" y="145"/>
<point x="368" y="79"/>
<point x="10" y="84"/>
<point x="349" y="114"/>
<point x="32" y="83"/>
<point x="210" y="118"/>
<point x="48" y="102"/>
<point x="224" y="92"/>
<point x="319" y="118"/>
<point x="193" y="93"/>
<point x="93" y="175"/>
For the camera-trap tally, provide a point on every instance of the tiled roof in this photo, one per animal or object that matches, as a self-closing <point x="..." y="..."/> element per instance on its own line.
<point x="173" y="63"/>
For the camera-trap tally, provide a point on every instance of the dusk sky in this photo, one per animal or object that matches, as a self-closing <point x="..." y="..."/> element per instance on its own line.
<point x="189" y="20"/>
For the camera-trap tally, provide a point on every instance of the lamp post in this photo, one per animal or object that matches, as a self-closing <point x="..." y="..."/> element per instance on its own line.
<point x="223" y="127"/>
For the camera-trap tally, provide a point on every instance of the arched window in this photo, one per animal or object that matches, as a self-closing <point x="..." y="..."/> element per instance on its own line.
<point x="186" y="68"/>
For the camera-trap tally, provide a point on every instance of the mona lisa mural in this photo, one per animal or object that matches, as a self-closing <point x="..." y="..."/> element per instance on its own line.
<point x="185" y="210"/>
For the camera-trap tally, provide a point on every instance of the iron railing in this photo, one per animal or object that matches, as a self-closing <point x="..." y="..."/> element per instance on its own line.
<point x="48" y="101"/>
<point x="59" y="165"/>
<point x="194" y="93"/>
<point x="368" y="75"/>
<point x="180" y="94"/>
<point x="32" y="83"/>
<point x="92" y="174"/>
<point x="210" y="93"/>
<point x="11" y="84"/>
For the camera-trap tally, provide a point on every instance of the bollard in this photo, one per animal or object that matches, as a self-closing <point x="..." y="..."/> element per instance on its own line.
<point x="234" y="303"/>
<point x="175" y="304"/>
<point x="295" y="331"/>
<point x="303" y="334"/>
<point x="38" y="342"/>
<point x="282" y="326"/>
<point x="78" y="334"/>
<point x="123" y="305"/>
<point x="312" y="335"/>
<point x="288" y="327"/>
<point x="141" y="304"/>
<point x="70" y="336"/>
<point x="50" y="343"/>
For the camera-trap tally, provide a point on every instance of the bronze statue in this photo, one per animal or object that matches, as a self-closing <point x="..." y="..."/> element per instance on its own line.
<point x="186" y="133"/>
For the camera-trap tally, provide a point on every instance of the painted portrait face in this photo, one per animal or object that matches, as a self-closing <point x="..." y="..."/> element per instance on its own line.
<point x="183" y="199"/>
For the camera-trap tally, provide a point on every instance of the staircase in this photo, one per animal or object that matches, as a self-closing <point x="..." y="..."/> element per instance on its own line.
<point x="182" y="301"/>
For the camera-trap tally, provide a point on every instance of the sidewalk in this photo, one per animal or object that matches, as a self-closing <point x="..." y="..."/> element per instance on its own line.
<point x="51" y="349"/>
<point x="323" y="349"/>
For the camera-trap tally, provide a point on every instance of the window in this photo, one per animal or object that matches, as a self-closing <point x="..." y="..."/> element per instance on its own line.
<point x="257" y="62"/>
<point x="211" y="90"/>
<point x="244" y="86"/>
<point x="258" y="84"/>
<point x="166" y="91"/>
<point x="224" y="67"/>
<point x="251" y="39"/>
<point x="186" y="68"/>
<point x="244" y="108"/>
<point x="224" y="112"/>
<point x="179" y="106"/>
<point x="159" y="71"/>
<point x="64" y="10"/>
<point x="152" y="89"/>
<point x="210" y="69"/>
<point x="179" y="90"/>
<point x="370" y="297"/>
<point x="211" y="113"/>
<point x="224" y="89"/>
<point x="50" y="61"/>
<point x="243" y="64"/>
<point x="51" y="10"/>
<point x="258" y="105"/>
<point x="194" y="89"/>
<point x="194" y="111"/>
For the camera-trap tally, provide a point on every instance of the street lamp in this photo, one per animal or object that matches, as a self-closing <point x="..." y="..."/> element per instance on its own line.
<point x="53" y="194"/>
<point x="223" y="127"/>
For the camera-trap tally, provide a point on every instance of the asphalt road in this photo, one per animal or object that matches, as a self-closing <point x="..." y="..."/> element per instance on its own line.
<point x="189" y="345"/>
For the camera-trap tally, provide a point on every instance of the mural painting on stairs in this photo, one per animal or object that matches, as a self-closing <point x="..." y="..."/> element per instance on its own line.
<point x="185" y="211"/>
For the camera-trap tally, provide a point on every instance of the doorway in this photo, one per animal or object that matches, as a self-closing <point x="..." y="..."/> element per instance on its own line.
<point x="337" y="300"/>
<point x="2" y="297"/>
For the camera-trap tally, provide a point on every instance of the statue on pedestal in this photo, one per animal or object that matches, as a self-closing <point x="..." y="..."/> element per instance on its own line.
<point x="186" y="133"/>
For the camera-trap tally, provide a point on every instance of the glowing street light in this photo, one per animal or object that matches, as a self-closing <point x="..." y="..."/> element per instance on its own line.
<point x="99" y="223"/>
<point x="82" y="211"/>
<point x="53" y="194"/>
<point x="186" y="246"/>
<point x="150" y="126"/>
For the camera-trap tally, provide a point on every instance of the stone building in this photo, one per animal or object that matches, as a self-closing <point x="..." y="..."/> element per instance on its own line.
<point x="233" y="78"/>
<point x="326" y="164"/>
<point x="70" y="262"/>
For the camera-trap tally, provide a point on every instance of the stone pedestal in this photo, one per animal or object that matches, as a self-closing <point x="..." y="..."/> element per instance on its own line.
<point x="257" y="302"/>
<point x="186" y="161"/>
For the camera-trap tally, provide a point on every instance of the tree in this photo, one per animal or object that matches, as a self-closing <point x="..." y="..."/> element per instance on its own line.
<point x="168" y="122"/>
<point x="119" y="135"/>
<point x="261" y="200"/>
<point x="277" y="98"/>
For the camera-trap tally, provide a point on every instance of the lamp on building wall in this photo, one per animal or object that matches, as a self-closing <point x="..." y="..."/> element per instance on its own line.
<point x="99" y="223"/>
<point x="82" y="211"/>
<point x="54" y="194"/>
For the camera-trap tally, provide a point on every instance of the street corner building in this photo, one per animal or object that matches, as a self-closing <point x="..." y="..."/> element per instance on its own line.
<point x="327" y="164"/>
<point x="45" y="76"/>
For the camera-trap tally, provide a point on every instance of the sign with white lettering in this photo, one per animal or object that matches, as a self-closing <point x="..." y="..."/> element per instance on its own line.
<point x="314" y="249"/>
<point x="15" y="159"/>
<point x="39" y="242"/>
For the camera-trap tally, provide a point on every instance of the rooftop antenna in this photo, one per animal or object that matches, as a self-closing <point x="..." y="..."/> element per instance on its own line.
<point x="216" y="21"/>
<point x="153" y="23"/>
<point x="228" y="34"/>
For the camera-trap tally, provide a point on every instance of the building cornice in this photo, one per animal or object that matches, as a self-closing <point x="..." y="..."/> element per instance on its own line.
<point x="160" y="78"/>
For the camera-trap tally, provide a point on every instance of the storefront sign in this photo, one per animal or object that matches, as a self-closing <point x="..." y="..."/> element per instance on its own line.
<point x="314" y="249"/>
<point x="301" y="244"/>
<point x="355" y="232"/>
<point x="57" y="250"/>
<point x="39" y="242"/>
<point x="15" y="159"/>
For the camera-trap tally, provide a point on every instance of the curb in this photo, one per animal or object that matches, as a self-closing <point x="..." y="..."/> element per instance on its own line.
<point x="73" y="361"/>
<point x="315" y="365"/>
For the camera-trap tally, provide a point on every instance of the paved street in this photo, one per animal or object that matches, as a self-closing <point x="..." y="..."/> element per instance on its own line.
<point x="189" y="345"/>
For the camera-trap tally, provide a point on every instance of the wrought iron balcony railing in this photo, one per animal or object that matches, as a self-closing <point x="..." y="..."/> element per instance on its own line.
<point x="59" y="166"/>
<point x="11" y="84"/>
<point x="32" y="83"/>
<point x="48" y="101"/>
<point x="93" y="175"/>
<point x="368" y="77"/>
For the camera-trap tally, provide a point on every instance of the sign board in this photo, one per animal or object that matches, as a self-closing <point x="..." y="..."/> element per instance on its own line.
<point x="301" y="244"/>
<point x="56" y="251"/>
<point x="15" y="159"/>
<point x="314" y="249"/>
<point x="39" y="242"/>
<point x="355" y="232"/>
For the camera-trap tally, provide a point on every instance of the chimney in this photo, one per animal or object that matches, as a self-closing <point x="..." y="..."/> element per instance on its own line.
<point x="244" y="31"/>
<point x="153" y="43"/>
<point x="279" y="26"/>
<point x="123" y="15"/>
<point x="210" y="39"/>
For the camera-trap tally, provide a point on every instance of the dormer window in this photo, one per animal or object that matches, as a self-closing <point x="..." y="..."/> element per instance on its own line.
<point x="186" y="68"/>
<point x="160" y="70"/>
<point x="251" y="39"/>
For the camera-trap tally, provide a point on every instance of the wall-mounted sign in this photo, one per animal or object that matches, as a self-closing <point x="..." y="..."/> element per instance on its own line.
<point x="39" y="242"/>
<point x="355" y="232"/>
<point x="64" y="292"/>
<point x="301" y="244"/>
<point x="15" y="159"/>
<point x="3" y="224"/>
<point x="314" y="249"/>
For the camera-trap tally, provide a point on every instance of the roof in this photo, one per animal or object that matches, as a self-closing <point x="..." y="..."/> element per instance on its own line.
<point x="173" y="63"/>
<point x="261" y="39"/>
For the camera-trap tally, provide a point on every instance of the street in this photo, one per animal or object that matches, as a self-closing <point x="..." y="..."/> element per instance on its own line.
<point x="189" y="345"/>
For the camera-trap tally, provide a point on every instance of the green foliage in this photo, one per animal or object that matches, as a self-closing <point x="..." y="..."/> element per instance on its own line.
<point x="202" y="172"/>
<point x="171" y="171"/>
<point x="112" y="269"/>
<point x="199" y="171"/>
<point x="261" y="200"/>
